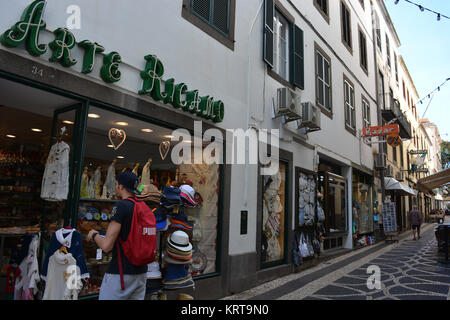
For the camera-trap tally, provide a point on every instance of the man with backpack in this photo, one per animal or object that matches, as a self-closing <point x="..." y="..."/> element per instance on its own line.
<point x="131" y="235"/>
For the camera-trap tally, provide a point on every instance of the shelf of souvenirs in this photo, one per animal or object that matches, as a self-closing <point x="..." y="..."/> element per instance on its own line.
<point x="33" y="229"/>
<point x="98" y="200"/>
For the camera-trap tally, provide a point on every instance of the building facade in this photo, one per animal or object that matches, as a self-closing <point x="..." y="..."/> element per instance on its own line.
<point x="114" y="81"/>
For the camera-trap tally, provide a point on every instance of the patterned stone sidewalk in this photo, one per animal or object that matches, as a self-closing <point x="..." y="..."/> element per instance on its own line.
<point x="408" y="270"/>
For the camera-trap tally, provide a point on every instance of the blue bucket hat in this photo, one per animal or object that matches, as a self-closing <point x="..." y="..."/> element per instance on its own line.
<point x="130" y="181"/>
<point x="172" y="194"/>
<point x="161" y="219"/>
<point x="176" y="271"/>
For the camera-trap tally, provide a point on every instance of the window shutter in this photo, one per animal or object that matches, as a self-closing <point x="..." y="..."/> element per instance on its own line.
<point x="268" y="32"/>
<point x="299" y="75"/>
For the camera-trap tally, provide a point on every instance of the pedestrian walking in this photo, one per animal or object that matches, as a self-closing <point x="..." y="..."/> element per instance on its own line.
<point x="415" y="218"/>
<point x="132" y="284"/>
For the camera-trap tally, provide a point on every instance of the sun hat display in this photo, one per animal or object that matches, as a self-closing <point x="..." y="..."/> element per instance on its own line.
<point x="180" y="221"/>
<point x="170" y="260"/>
<point x="176" y="272"/>
<point x="149" y="193"/>
<point x="187" y="194"/>
<point x="180" y="241"/>
<point x="162" y="221"/>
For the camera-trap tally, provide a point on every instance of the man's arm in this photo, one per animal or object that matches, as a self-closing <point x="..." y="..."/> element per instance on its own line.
<point x="107" y="243"/>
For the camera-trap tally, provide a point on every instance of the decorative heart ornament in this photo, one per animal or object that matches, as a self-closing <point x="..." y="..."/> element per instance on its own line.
<point x="117" y="137"/>
<point x="164" y="148"/>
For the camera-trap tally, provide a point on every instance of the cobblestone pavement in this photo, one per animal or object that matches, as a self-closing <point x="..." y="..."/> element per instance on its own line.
<point x="409" y="269"/>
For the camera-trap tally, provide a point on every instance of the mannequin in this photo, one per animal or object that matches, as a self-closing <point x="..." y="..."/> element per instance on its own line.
<point x="111" y="180"/>
<point x="84" y="192"/>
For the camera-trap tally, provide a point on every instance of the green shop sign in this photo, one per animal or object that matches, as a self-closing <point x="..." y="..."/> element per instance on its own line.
<point x="26" y="32"/>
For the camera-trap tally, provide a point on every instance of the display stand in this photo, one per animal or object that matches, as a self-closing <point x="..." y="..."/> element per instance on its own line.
<point x="390" y="222"/>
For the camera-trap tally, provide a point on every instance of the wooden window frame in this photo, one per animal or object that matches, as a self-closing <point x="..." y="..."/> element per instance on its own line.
<point x="347" y="127"/>
<point x="348" y="46"/>
<point x="325" y="15"/>
<point x="227" y="41"/>
<point x="365" y="68"/>
<point x="324" y="110"/>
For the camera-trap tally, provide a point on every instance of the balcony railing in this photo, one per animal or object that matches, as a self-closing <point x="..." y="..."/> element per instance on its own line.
<point x="392" y="110"/>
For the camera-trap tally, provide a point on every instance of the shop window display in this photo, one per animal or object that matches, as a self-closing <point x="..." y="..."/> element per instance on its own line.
<point x="117" y="143"/>
<point x="332" y="187"/>
<point x="361" y="205"/>
<point x="33" y="144"/>
<point x="274" y="210"/>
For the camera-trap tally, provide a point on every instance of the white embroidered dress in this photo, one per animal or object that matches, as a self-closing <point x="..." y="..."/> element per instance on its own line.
<point x="55" y="183"/>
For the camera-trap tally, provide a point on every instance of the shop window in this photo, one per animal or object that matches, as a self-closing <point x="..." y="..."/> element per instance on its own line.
<point x="273" y="246"/>
<point x="29" y="131"/>
<point x="115" y="143"/>
<point x="361" y="205"/>
<point x="333" y="188"/>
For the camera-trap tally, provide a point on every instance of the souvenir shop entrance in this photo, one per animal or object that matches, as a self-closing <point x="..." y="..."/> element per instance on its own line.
<point x="59" y="156"/>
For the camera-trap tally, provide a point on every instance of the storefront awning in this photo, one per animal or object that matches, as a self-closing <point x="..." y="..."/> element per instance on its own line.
<point x="435" y="180"/>
<point x="402" y="189"/>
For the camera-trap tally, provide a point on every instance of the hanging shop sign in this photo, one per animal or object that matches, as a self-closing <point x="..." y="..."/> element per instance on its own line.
<point x="394" y="140"/>
<point x="385" y="130"/>
<point x="26" y="32"/>
<point x="418" y="152"/>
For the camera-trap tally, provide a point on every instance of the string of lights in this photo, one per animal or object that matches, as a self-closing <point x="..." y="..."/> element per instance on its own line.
<point x="422" y="8"/>
<point x="428" y="96"/>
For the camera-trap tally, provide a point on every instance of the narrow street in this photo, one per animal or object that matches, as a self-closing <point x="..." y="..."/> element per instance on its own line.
<point x="409" y="269"/>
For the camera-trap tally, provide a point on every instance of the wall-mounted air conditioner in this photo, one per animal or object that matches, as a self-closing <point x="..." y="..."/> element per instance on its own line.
<point x="310" y="117"/>
<point x="288" y="104"/>
<point x="380" y="161"/>
<point x="389" y="171"/>
<point x="400" y="176"/>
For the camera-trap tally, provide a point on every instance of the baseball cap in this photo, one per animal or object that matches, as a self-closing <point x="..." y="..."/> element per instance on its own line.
<point x="129" y="180"/>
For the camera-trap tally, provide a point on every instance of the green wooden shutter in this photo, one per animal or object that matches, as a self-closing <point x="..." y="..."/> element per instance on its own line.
<point x="298" y="61"/>
<point x="268" y="32"/>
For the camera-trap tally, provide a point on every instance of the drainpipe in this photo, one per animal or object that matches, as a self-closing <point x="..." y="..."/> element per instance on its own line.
<point x="380" y="122"/>
<point x="248" y="105"/>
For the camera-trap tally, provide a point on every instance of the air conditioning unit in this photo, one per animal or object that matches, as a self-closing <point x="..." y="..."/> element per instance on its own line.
<point x="399" y="176"/>
<point x="288" y="104"/>
<point x="389" y="171"/>
<point x="310" y="117"/>
<point x="380" y="161"/>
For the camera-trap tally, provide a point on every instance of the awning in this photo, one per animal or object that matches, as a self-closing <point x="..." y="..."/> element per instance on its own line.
<point x="435" y="180"/>
<point x="402" y="189"/>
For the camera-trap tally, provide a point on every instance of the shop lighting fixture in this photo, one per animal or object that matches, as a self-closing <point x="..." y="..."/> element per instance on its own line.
<point x="93" y="115"/>
<point x="36" y="130"/>
<point x="168" y="136"/>
<point x="120" y="157"/>
<point x="110" y="146"/>
<point x="11" y="136"/>
<point x="68" y="122"/>
<point x="121" y="123"/>
<point x="147" y="130"/>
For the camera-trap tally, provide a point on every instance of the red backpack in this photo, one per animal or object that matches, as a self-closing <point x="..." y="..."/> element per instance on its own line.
<point x="140" y="246"/>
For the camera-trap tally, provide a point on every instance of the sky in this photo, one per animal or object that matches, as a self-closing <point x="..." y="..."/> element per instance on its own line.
<point x="425" y="47"/>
